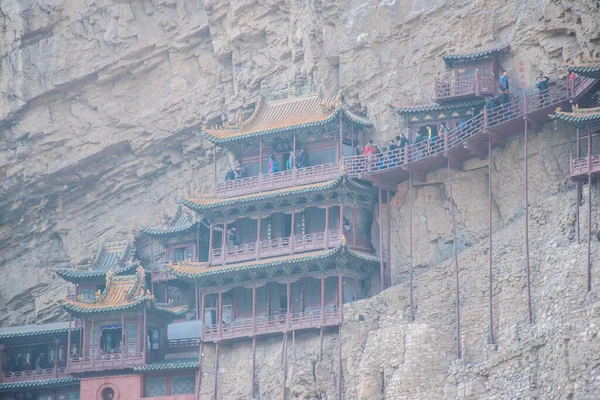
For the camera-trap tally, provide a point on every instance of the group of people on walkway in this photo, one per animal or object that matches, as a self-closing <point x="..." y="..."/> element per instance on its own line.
<point x="298" y="160"/>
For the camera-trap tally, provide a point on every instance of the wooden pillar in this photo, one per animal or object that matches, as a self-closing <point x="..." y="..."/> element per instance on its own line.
<point x="292" y="236"/>
<point x="258" y="228"/>
<point x="202" y="316"/>
<point x="253" y="381"/>
<point x="254" y="308"/>
<point x="55" y="358"/>
<point x="220" y="314"/>
<point x="492" y="338"/>
<point x="355" y="288"/>
<point x="340" y="368"/>
<point x="589" y="247"/>
<point x="456" y="269"/>
<point x="215" y="169"/>
<point x="578" y="191"/>
<point x="327" y="226"/>
<point x="123" y="338"/>
<point x="224" y="244"/>
<point x="354" y="227"/>
<point x="323" y="299"/>
<point x="216" y="371"/>
<point x="341" y="222"/>
<point x="289" y="304"/>
<point x="197" y="303"/>
<point x="151" y="264"/>
<point x="526" y="172"/>
<point x="410" y="229"/>
<point x="2" y="361"/>
<point x="145" y="333"/>
<point x="293" y="162"/>
<point x="167" y="292"/>
<point x="68" y="343"/>
<point x="381" y="264"/>
<point x="341" y="295"/>
<point x="284" y="364"/>
<point x="198" y="242"/>
<point x="200" y="359"/>
<point x="260" y="156"/>
<point x="321" y="344"/>
<point x="210" y="243"/>
<point x="389" y="237"/>
<point x="341" y="136"/>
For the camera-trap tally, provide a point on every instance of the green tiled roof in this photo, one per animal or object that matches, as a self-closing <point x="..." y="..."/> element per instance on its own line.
<point x="179" y="364"/>
<point x="590" y="70"/>
<point x="402" y="109"/>
<point x="77" y="275"/>
<point x="25" y="331"/>
<point x="480" y="54"/>
<point x="49" y="383"/>
<point x="580" y="118"/>
<point x="211" y="203"/>
<point x="180" y="223"/>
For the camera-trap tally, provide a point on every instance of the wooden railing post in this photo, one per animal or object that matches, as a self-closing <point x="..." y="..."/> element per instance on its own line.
<point x="446" y="143"/>
<point x="485" y="119"/>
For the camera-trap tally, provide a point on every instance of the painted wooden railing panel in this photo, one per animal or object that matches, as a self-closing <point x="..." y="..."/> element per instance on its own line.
<point x="105" y="361"/>
<point x="36" y="375"/>
<point x="463" y="87"/>
<point x="278" y="180"/>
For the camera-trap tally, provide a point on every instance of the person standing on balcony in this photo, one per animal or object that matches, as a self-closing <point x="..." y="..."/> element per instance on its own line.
<point x="431" y="136"/>
<point x="369" y="153"/>
<point x="289" y="164"/>
<point x="504" y="87"/>
<point x="571" y="79"/>
<point x="392" y="153"/>
<point x="230" y="175"/>
<point x="239" y="171"/>
<point x="232" y="237"/>
<point x="302" y="159"/>
<point x="542" y="85"/>
<point x="490" y="103"/>
<point x="272" y="164"/>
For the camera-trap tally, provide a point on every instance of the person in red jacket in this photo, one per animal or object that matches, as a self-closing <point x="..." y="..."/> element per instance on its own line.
<point x="369" y="154"/>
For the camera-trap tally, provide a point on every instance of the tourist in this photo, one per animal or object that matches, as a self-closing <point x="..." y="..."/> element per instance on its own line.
<point x="239" y="171"/>
<point x="542" y="85"/>
<point x="392" y="154"/>
<point x="504" y="93"/>
<point x="443" y="129"/>
<point x="369" y="154"/>
<point x="431" y="136"/>
<point x="418" y="148"/>
<point x="490" y="103"/>
<point x="289" y="164"/>
<point x="402" y="140"/>
<point x="230" y="175"/>
<point x="232" y="237"/>
<point x="571" y="80"/>
<point x="302" y="159"/>
<point x="272" y="164"/>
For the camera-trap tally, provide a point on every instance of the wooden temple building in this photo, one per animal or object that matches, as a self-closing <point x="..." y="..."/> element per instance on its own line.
<point x="293" y="231"/>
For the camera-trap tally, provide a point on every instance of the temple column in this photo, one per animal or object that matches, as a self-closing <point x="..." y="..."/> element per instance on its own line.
<point x="289" y="304"/>
<point x="220" y="314"/>
<point x="197" y="305"/>
<point x="327" y="226"/>
<point x="2" y="359"/>
<point x="197" y="243"/>
<point x="210" y="244"/>
<point x="224" y="247"/>
<point x="123" y="338"/>
<point x="145" y="333"/>
<point x="292" y="231"/>
<point x="69" y="342"/>
<point x="254" y="308"/>
<point x="341" y="224"/>
<point x="258" y="228"/>
<point x="202" y="316"/>
<point x="55" y="359"/>
<point x="91" y="347"/>
<point x="354" y="227"/>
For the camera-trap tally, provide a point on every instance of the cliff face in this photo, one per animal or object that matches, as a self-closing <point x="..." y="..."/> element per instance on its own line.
<point x="101" y="103"/>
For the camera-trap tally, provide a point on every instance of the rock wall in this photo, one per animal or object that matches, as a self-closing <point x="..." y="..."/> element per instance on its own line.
<point x="101" y="104"/>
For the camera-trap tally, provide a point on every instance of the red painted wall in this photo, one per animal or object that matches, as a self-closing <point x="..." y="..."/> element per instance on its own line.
<point x="126" y="387"/>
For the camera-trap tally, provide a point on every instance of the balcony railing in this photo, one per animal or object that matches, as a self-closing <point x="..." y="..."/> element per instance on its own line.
<point x="37" y="375"/>
<point x="105" y="361"/>
<point x="467" y="86"/>
<point x="581" y="166"/>
<point x="278" y="180"/>
<point x="175" y="344"/>
<point x="276" y="247"/>
<point x="272" y="324"/>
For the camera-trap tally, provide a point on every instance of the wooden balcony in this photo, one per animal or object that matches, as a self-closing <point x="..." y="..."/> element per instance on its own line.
<point x="273" y="324"/>
<point x="278" y="180"/>
<point x="176" y="345"/>
<point x="287" y="245"/>
<point x="464" y="88"/>
<point x="581" y="167"/>
<point x="37" y="375"/>
<point x="105" y="362"/>
<point x="465" y="141"/>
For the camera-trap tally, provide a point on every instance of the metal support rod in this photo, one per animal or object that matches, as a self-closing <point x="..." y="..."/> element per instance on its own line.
<point x="340" y="368"/>
<point x="490" y="272"/>
<point x="220" y="313"/>
<point x="341" y="296"/>
<point x="381" y="264"/>
<point x="389" y="237"/>
<point x="289" y="305"/>
<point x="253" y="382"/>
<point x="216" y="381"/>
<point x="254" y="308"/>
<point x="294" y="345"/>
<point x="458" y="339"/>
<point x="410" y="234"/>
<point x="578" y="150"/>
<point x="284" y="361"/>
<point x="589" y="247"/>
<point x="529" y="306"/>
<point x="322" y="300"/>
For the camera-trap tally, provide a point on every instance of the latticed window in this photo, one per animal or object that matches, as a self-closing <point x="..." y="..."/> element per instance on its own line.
<point x="183" y="384"/>
<point x="155" y="387"/>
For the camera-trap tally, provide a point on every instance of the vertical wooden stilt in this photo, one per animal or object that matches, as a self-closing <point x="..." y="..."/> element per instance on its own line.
<point x="458" y="338"/>
<point x="215" y="169"/>
<point x="529" y="305"/>
<point x="284" y="364"/>
<point x="340" y="370"/>
<point x="253" y="382"/>
<point x="381" y="256"/>
<point x="321" y="344"/>
<point x="69" y="342"/>
<point x="389" y="237"/>
<point x="578" y="151"/>
<point x="216" y="371"/>
<point x="294" y="345"/>
<point x="199" y="380"/>
<point x="589" y="248"/>
<point x="490" y="272"/>
<point x="410" y="228"/>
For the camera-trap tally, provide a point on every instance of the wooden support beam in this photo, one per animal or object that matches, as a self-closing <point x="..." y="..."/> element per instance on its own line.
<point x="215" y="169"/>
<point x="526" y="172"/>
<point x="220" y="314"/>
<point x="389" y="237"/>
<point x="491" y="338"/>
<point x="216" y="381"/>
<point x="340" y="367"/>
<point x="210" y="243"/>
<point x="69" y="342"/>
<point x="321" y="344"/>
<point x="381" y="256"/>
<point x="199" y="379"/>
<point x="253" y="379"/>
<point x="410" y="234"/>
<point x="224" y="244"/>
<point x="458" y="338"/>
<point x="284" y="362"/>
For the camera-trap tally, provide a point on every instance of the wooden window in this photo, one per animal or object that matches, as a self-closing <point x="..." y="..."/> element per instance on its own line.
<point x="322" y="156"/>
